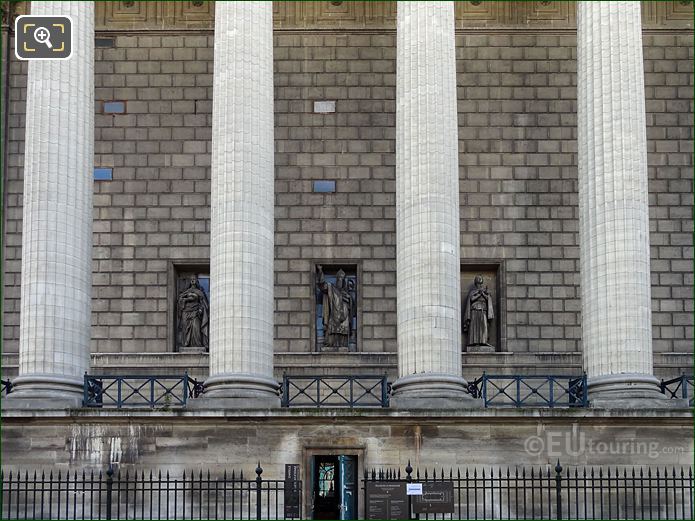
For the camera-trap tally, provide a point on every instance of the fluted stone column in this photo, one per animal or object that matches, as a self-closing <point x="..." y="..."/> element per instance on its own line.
<point x="55" y="315"/>
<point x="427" y="210"/>
<point x="242" y="210"/>
<point x="613" y="204"/>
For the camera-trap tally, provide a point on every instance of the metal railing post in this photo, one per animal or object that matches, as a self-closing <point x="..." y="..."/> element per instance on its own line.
<point x="285" y="391"/>
<point x="109" y="490"/>
<point x="558" y="489"/>
<point x="185" y="387"/>
<point x="85" y="398"/>
<point x="259" y="471"/>
<point x="484" y="389"/>
<point x="408" y="479"/>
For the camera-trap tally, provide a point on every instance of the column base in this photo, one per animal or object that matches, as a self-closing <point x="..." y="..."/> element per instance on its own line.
<point x="238" y="391"/>
<point x="432" y="391"/>
<point x="629" y="391"/>
<point x="44" y="392"/>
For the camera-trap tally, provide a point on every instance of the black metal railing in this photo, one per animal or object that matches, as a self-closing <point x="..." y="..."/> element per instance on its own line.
<point x="543" y="493"/>
<point x="6" y="387"/>
<point x="530" y="391"/>
<point x="335" y="391"/>
<point x="164" y="391"/>
<point x="148" y="495"/>
<point x="680" y="387"/>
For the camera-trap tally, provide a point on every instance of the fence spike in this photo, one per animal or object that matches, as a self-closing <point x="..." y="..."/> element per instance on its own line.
<point x="682" y="476"/>
<point x="241" y="475"/>
<point x="51" y="475"/>
<point x="399" y="473"/>
<point x="127" y="475"/>
<point x="451" y="473"/>
<point x="425" y="473"/>
<point x="475" y="472"/>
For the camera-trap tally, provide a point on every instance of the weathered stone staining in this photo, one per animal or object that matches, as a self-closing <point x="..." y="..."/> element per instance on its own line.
<point x="55" y="318"/>
<point x="427" y="210"/>
<point x="478" y="312"/>
<point x="613" y="204"/>
<point x="242" y="218"/>
<point x="193" y="315"/>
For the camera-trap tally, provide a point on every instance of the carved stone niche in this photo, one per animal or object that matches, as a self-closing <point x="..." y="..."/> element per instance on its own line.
<point x="191" y="308"/>
<point x="335" y="307"/>
<point x="481" y="328"/>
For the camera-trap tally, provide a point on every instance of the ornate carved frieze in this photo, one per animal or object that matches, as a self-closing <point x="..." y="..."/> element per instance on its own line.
<point x="544" y="14"/>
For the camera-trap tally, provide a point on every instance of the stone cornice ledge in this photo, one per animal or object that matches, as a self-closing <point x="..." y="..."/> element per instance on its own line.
<point x="678" y="416"/>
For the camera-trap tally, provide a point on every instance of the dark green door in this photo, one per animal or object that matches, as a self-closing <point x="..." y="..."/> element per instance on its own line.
<point x="347" y="466"/>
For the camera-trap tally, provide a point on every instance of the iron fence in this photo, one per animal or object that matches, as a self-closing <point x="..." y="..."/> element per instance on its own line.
<point x="680" y="387"/>
<point x="164" y="391"/>
<point x="141" y="495"/>
<point x="168" y="391"/>
<point x="530" y="391"/>
<point x="335" y="391"/>
<point x="551" y="492"/>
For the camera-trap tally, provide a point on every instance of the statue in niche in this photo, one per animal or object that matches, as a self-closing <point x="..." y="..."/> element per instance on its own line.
<point x="337" y="309"/>
<point x="478" y="312"/>
<point x="193" y="316"/>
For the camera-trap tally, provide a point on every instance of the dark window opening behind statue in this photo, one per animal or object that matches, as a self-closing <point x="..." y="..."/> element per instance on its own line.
<point x="192" y="312"/>
<point x="336" y="309"/>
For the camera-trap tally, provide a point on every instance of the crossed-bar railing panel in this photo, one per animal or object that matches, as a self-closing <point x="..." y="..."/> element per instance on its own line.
<point x="680" y="387"/>
<point x="530" y="391"/>
<point x="554" y="492"/>
<point x="142" y="495"/>
<point x="163" y="391"/>
<point x="335" y="391"/>
<point x="6" y="387"/>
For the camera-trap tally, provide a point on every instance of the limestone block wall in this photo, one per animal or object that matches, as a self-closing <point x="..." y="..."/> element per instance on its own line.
<point x="518" y="180"/>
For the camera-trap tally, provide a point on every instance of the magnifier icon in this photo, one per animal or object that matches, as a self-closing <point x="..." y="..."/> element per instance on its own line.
<point x="43" y="35"/>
